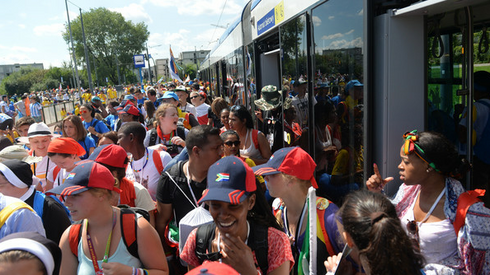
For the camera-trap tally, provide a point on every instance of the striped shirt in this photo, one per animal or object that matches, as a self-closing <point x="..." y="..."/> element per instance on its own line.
<point x="35" y="109"/>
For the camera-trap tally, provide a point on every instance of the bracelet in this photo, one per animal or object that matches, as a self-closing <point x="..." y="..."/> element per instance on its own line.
<point x="134" y="271"/>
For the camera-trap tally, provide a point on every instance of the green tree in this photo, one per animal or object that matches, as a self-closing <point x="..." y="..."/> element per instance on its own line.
<point x="111" y="40"/>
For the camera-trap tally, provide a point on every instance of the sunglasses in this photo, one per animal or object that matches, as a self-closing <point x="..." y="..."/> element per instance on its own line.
<point x="413" y="234"/>
<point x="192" y="97"/>
<point x="83" y="112"/>
<point x="231" y="143"/>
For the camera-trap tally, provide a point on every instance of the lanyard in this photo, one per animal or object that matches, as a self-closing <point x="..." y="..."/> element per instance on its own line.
<point x="91" y="249"/>
<point x="188" y="177"/>
<point x="299" y="225"/>
<point x="219" y="239"/>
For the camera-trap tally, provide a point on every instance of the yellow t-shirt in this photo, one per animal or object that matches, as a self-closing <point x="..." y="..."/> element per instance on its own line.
<point x="112" y="93"/>
<point x="87" y="97"/>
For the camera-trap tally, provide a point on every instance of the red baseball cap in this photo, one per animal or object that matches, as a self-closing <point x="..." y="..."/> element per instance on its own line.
<point x="130" y="109"/>
<point x="110" y="154"/>
<point x="292" y="161"/>
<point x="86" y="175"/>
<point x="213" y="268"/>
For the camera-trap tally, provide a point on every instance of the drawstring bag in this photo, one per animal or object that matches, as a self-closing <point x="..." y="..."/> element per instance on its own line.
<point x="195" y="218"/>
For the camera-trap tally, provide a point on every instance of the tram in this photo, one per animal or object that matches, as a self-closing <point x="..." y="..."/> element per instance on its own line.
<point x="414" y="59"/>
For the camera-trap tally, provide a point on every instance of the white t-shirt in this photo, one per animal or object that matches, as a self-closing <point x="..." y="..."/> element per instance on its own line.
<point x="189" y="108"/>
<point x="3" y="107"/>
<point x="144" y="171"/>
<point x="41" y="169"/>
<point x="301" y="106"/>
<point x="60" y="177"/>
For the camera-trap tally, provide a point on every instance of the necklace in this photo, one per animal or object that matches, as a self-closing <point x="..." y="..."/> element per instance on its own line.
<point x="218" y="241"/>
<point x="146" y="162"/>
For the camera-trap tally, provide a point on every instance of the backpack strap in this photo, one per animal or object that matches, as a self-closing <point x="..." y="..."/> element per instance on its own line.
<point x="129" y="230"/>
<point x="259" y="235"/>
<point x="153" y="137"/>
<point x="11" y="208"/>
<point x="74" y="236"/>
<point x="204" y="234"/>
<point x="157" y="160"/>
<point x="255" y="138"/>
<point x="181" y="132"/>
<point x="321" y="205"/>
<point x="39" y="203"/>
<point x="465" y="200"/>
<point x="57" y="170"/>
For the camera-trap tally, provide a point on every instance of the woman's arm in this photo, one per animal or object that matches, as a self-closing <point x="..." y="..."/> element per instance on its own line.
<point x="69" y="262"/>
<point x="150" y="249"/>
<point x="264" y="148"/>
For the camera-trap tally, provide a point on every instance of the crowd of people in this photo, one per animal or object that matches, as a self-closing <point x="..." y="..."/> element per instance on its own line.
<point x="111" y="189"/>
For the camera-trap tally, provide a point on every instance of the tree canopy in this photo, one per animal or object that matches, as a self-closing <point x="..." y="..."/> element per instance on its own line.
<point x="29" y="79"/>
<point x="111" y="40"/>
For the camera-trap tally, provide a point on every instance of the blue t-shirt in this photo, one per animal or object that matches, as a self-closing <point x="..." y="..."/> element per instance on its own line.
<point x="99" y="126"/>
<point x="87" y="143"/>
<point x="111" y="119"/>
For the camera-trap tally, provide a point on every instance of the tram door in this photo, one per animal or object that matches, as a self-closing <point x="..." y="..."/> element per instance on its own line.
<point x="457" y="53"/>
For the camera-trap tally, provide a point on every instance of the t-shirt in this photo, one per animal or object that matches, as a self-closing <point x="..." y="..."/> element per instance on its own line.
<point x="480" y="116"/>
<point x="87" y="143"/>
<point x="60" y="177"/>
<point x="111" y="119"/>
<point x="35" y="109"/>
<point x="189" y="108"/>
<point x="3" y="107"/>
<point x="216" y="120"/>
<point x="99" y="126"/>
<point x="19" y="105"/>
<point x="301" y="105"/>
<point x="145" y="172"/>
<point x="42" y="168"/>
<point x="279" y="250"/>
<point x="202" y="113"/>
<point x="168" y="193"/>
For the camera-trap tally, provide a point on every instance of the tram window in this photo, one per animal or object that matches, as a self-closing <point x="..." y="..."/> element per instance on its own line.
<point x="338" y="115"/>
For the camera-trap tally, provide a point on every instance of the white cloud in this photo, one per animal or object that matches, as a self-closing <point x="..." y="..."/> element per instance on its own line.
<point x="337" y="35"/>
<point x="317" y="21"/>
<point x="331" y="17"/>
<point x="332" y="36"/>
<point x="199" y="7"/>
<point x="344" y="44"/>
<point x="49" y="30"/>
<point x="18" y="49"/>
<point x="134" y="12"/>
<point x="22" y="26"/>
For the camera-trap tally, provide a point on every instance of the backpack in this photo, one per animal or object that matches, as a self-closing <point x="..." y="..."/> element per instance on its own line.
<point x="128" y="231"/>
<point x="154" y="135"/>
<point x="38" y="204"/>
<point x="258" y="236"/>
<point x="11" y="208"/>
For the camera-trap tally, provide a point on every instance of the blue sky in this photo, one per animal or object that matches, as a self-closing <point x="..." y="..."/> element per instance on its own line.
<point x="31" y="30"/>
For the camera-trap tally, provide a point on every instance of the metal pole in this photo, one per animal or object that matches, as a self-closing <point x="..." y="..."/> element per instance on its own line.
<point x="149" y="66"/>
<point x="96" y="77"/>
<point x="77" y="80"/>
<point x="87" y="61"/>
<point x="118" y="73"/>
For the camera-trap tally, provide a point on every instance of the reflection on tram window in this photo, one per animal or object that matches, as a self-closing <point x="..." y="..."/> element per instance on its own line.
<point x="338" y="89"/>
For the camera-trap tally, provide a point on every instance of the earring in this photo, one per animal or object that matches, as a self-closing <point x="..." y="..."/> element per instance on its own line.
<point x="428" y="170"/>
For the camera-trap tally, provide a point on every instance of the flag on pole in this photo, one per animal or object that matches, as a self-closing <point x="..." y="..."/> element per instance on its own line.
<point x="174" y="73"/>
<point x="61" y="88"/>
<point x="188" y="78"/>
